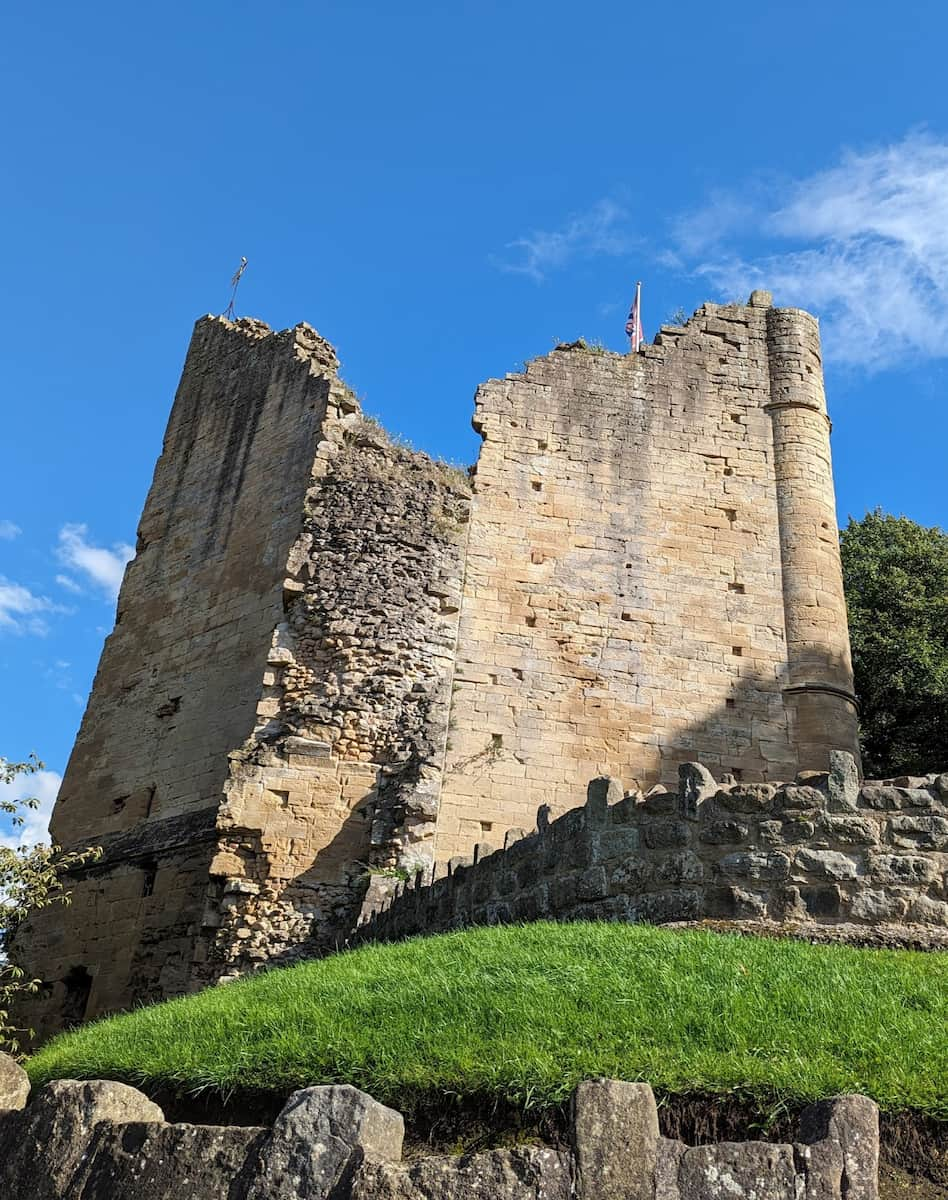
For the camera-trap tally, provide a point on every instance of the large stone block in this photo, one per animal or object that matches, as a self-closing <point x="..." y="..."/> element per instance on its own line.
<point x="843" y="782"/>
<point x="615" y="1140"/>
<point x="738" y="1171"/>
<point x="826" y="864"/>
<point x="798" y="798"/>
<point x="531" y="1173"/>
<point x="321" y="1135"/>
<point x="753" y="865"/>
<point x="602" y="792"/>
<point x="841" y="1159"/>
<point x="919" y="833"/>
<point x="851" y="831"/>
<point x="46" y="1142"/>
<point x="14" y="1085"/>
<point x="746" y="798"/>
<point x="906" y="869"/>
<point x="695" y="785"/>
<point x="667" y="1166"/>
<point x="168" y="1162"/>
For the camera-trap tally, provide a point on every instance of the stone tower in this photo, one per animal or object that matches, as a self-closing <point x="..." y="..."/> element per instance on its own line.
<point x="335" y="660"/>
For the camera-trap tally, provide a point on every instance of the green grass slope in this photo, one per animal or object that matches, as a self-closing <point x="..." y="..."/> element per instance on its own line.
<point x="523" y="1013"/>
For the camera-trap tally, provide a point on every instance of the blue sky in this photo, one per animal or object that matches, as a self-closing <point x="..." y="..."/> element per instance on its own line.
<point x="443" y="190"/>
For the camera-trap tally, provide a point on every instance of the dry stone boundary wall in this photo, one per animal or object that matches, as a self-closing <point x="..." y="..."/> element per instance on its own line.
<point x="820" y="855"/>
<point x="99" y="1140"/>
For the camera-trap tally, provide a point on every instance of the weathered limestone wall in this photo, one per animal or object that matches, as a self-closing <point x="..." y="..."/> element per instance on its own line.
<point x="653" y="574"/>
<point x="339" y="785"/>
<point x="267" y="722"/>
<point x="179" y="678"/>
<point x="105" y="1141"/>
<point x="819" y="856"/>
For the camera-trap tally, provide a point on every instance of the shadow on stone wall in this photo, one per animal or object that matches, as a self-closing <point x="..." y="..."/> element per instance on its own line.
<point x="865" y="864"/>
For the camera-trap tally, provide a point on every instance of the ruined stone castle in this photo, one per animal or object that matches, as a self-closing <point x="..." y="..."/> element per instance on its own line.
<point x="336" y="662"/>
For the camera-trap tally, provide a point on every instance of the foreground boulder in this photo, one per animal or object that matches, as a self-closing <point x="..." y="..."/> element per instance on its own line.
<point x="139" y="1161"/>
<point x="42" y="1146"/>
<point x="319" y="1139"/>
<point x="14" y="1085"/>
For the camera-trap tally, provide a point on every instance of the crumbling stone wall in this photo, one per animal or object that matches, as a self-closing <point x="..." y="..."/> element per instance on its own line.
<point x="334" y="666"/>
<point x="337" y="790"/>
<point x="106" y="1141"/>
<point x="266" y="727"/>
<point x="653" y="573"/>
<point x="821" y="854"/>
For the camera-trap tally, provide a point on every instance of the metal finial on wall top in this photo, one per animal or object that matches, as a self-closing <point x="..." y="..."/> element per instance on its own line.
<point x="234" y="283"/>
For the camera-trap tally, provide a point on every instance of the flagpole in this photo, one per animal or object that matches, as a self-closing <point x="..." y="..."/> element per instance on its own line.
<point x="638" y="312"/>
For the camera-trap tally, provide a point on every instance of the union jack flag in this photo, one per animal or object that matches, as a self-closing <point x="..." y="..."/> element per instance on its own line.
<point x="633" y="327"/>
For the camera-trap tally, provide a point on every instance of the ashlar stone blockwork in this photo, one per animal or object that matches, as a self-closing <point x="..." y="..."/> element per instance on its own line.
<point x="654" y="573"/>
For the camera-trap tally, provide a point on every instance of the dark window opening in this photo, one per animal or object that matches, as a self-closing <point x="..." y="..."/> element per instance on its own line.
<point x="738" y="774"/>
<point x="119" y="803"/>
<point x="149" y="874"/>
<point x="729" y="703"/>
<point x="736" y="587"/>
<point x="737" y="651"/>
<point x="78" y="985"/>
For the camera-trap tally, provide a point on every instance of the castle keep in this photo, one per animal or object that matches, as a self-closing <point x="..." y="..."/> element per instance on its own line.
<point x="336" y="662"/>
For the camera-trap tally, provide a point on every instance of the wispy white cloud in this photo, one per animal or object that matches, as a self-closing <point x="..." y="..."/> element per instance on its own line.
<point x="21" y="609"/>
<point x="44" y="785"/>
<point x="67" y="582"/>
<point x="602" y="230"/>
<point x="102" y="566"/>
<point x="8" y="531"/>
<point x="864" y="244"/>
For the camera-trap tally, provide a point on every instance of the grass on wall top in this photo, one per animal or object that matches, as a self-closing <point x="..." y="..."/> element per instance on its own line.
<point x="525" y="1012"/>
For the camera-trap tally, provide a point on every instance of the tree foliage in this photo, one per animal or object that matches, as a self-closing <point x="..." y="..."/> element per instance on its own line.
<point x="31" y="877"/>
<point x="895" y="574"/>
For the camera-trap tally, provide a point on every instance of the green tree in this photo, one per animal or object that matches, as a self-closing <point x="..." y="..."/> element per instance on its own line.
<point x="31" y="877"/>
<point x="895" y="574"/>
